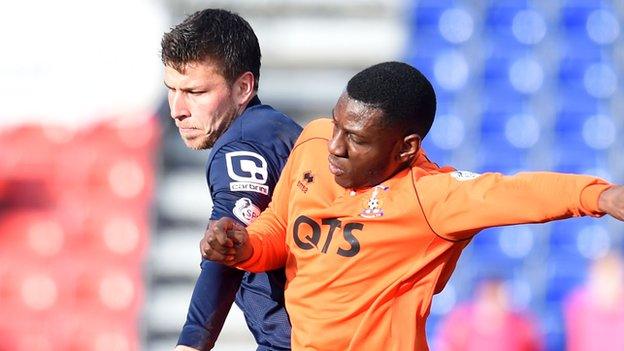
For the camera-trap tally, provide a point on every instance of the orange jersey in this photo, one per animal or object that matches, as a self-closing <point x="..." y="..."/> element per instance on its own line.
<point x="362" y="267"/>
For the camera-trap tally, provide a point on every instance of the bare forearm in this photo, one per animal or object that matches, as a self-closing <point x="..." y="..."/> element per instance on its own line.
<point x="611" y="202"/>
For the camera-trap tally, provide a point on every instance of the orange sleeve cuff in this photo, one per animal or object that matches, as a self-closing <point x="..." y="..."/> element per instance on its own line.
<point x="252" y="262"/>
<point x="590" y="195"/>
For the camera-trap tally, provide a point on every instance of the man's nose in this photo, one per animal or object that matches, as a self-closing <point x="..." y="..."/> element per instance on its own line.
<point x="336" y="144"/>
<point x="178" y="105"/>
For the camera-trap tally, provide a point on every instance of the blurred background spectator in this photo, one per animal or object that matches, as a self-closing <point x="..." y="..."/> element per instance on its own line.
<point x="594" y="313"/>
<point x="101" y="207"/>
<point x="488" y="323"/>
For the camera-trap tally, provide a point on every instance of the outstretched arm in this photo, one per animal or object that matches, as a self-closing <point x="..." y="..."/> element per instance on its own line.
<point x="458" y="206"/>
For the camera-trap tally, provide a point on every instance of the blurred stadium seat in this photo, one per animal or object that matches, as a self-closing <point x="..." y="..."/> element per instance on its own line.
<point x="74" y="234"/>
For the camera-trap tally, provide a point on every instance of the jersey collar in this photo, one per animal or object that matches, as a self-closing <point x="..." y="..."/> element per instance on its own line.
<point x="253" y="102"/>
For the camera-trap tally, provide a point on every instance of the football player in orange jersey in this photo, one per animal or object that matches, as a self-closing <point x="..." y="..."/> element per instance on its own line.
<point x="369" y="230"/>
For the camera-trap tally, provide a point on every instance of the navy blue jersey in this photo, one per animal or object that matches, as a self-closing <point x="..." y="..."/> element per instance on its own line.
<point x="242" y="170"/>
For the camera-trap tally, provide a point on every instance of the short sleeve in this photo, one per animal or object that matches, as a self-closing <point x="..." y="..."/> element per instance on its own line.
<point x="241" y="177"/>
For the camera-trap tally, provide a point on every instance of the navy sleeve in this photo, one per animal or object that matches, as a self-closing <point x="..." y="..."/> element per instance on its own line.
<point x="241" y="177"/>
<point x="212" y="298"/>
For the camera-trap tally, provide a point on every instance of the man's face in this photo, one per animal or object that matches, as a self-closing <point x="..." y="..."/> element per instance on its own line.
<point x="201" y="103"/>
<point x="362" y="152"/>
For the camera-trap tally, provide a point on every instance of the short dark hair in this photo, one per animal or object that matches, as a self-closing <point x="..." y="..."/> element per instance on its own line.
<point x="216" y="35"/>
<point x="401" y="91"/>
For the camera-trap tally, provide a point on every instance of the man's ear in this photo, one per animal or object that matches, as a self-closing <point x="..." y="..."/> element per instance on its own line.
<point x="409" y="148"/>
<point x="243" y="89"/>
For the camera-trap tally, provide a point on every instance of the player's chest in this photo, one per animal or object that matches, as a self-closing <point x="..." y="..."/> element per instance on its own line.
<point x="326" y="221"/>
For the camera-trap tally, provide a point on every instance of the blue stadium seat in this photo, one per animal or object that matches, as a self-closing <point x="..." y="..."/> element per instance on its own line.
<point x="487" y="237"/>
<point x="500" y="40"/>
<point x="572" y="98"/>
<point x="562" y="239"/>
<point x="551" y="318"/>
<point x="564" y="273"/>
<point x="486" y="247"/>
<point x="445" y="106"/>
<point x="571" y="152"/>
<point x="497" y="67"/>
<point x="571" y="124"/>
<point x="427" y="46"/>
<point x="498" y="97"/>
<point x="573" y="19"/>
<point x="500" y="14"/>
<point x="436" y="154"/>
<point x="497" y="155"/>
<point x="487" y="263"/>
<point x="560" y="286"/>
<point x="494" y="123"/>
<point x="425" y="41"/>
<point x="574" y="13"/>
<point x="576" y="157"/>
<point x="425" y="15"/>
<point x="577" y="45"/>
<point x="423" y="63"/>
<point x="571" y="70"/>
<point x="433" y="323"/>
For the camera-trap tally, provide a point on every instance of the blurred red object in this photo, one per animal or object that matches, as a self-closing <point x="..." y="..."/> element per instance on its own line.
<point x="31" y="151"/>
<point x="31" y="292"/>
<point x="33" y="234"/>
<point x="106" y="288"/>
<point x="88" y="332"/>
<point x="73" y="234"/>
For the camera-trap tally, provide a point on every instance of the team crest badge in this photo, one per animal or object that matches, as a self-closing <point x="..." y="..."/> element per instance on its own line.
<point x="373" y="205"/>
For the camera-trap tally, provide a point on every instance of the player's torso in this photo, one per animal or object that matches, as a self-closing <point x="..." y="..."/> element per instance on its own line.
<point x="354" y="254"/>
<point x="246" y="162"/>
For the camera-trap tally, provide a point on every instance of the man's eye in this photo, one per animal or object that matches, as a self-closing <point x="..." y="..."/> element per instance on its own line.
<point x="355" y="139"/>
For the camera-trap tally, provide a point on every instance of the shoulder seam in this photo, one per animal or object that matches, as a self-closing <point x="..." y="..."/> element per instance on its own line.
<point x="427" y="219"/>
<point x="305" y="141"/>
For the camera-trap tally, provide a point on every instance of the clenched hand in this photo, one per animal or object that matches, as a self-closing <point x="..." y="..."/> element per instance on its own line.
<point x="226" y="242"/>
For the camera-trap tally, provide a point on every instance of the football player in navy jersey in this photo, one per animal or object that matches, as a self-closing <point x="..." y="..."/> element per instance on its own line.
<point x="212" y="67"/>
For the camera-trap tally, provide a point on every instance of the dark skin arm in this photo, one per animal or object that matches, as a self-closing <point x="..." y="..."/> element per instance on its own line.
<point x="611" y="201"/>
<point x="226" y="242"/>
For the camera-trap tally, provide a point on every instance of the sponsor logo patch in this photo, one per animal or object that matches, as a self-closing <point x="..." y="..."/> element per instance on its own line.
<point x="245" y="210"/>
<point x="307" y="178"/>
<point x="464" y="175"/>
<point x="256" y="188"/>
<point x="248" y="170"/>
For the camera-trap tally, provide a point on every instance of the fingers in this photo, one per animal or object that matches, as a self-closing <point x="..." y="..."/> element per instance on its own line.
<point x="222" y="240"/>
<point x="209" y="253"/>
<point x="238" y="236"/>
